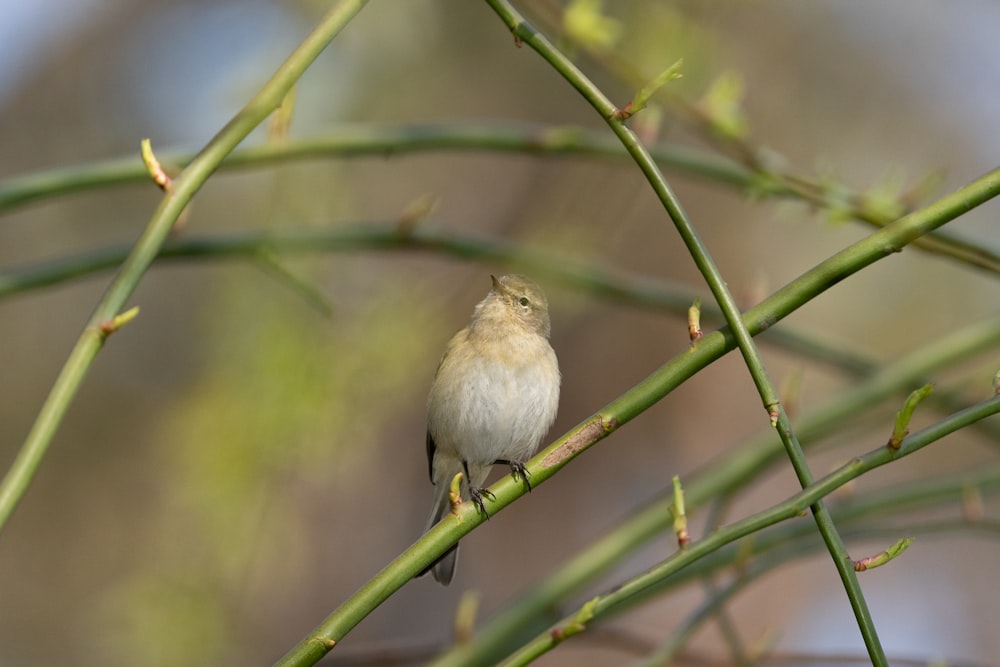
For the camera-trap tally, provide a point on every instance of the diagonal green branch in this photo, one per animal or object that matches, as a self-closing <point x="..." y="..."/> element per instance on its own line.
<point x="781" y="544"/>
<point x="856" y="516"/>
<point x="717" y="284"/>
<point x="883" y="243"/>
<point x="91" y="340"/>
<point x="533" y="608"/>
<point x="788" y="509"/>
<point x="793" y="539"/>
<point x="835" y="198"/>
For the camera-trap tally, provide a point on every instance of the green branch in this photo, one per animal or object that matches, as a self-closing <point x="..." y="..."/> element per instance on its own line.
<point x="782" y="543"/>
<point x="16" y="482"/>
<point x="636" y="290"/>
<point x="776" y="547"/>
<point x="717" y="284"/>
<point x="735" y="472"/>
<point x="659" y="295"/>
<point x="788" y="509"/>
<point x="518" y="138"/>
<point x="720" y="120"/>
<point x="902" y="425"/>
<point x="378" y="140"/>
<point x="765" y="315"/>
<point x="856" y="518"/>
<point x="109" y="316"/>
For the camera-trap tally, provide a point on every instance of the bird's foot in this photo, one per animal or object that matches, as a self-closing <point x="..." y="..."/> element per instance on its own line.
<point x="477" y="495"/>
<point x="517" y="469"/>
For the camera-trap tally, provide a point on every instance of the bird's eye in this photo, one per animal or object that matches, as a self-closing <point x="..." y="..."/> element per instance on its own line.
<point x="523" y="301"/>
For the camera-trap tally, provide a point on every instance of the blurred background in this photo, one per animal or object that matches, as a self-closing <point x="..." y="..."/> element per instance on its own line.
<point x="239" y="461"/>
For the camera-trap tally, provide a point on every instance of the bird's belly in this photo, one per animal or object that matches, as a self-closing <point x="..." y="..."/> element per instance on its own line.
<point x="502" y="413"/>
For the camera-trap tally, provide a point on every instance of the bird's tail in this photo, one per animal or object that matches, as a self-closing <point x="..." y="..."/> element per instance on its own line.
<point x="443" y="569"/>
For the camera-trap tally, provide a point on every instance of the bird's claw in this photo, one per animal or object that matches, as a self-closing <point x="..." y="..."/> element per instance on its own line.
<point x="477" y="494"/>
<point x="518" y="469"/>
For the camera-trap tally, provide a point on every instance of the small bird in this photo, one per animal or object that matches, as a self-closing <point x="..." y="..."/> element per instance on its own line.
<point x="494" y="397"/>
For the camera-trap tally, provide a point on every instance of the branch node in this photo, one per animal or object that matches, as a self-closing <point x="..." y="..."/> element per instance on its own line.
<point x="694" y="321"/>
<point x="901" y="427"/>
<point x="578" y="623"/>
<point x="455" y="495"/>
<point x="622" y="114"/>
<point x="680" y="515"/>
<point x="279" y="123"/>
<point x="108" y="327"/>
<point x="884" y="557"/>
<point x="326" y="642"/>
<point x="646" y="93"/>
<point x="515" y="30"/>
<point x="155" y="169"/>
<point x="774" y="413"/>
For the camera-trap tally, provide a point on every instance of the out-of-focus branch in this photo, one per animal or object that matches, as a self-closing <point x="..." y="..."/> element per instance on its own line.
<point x="518" y="138"/>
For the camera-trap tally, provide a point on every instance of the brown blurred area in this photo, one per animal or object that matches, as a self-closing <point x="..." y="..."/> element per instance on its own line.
<point x="238" y="463"/>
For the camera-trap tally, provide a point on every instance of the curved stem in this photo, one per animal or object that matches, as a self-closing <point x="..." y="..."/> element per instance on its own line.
<point x="378" y="139"/>
<point x="636" y="290"/>
<point x="519" y="138"/>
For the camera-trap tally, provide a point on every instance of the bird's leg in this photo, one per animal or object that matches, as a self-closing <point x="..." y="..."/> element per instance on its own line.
<point x="476" y="493"/>
<point x="517" y="469"/>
